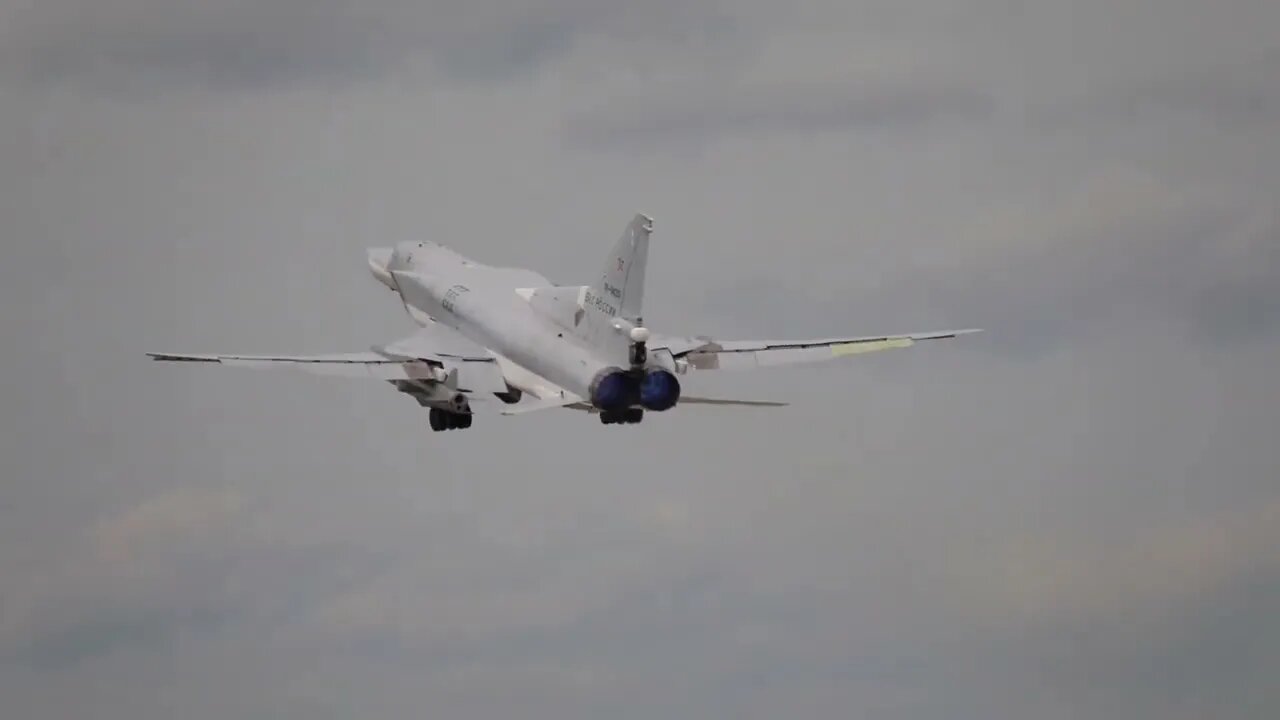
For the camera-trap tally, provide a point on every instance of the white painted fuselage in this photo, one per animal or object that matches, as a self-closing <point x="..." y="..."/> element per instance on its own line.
<point x="481" y="303"/>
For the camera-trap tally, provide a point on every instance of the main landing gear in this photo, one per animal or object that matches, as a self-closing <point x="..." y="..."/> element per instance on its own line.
<point x="630" y="416"/>
<point x="446" y="420"/>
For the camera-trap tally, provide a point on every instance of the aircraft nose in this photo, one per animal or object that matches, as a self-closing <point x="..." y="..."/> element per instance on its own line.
<point x="380" y="264"/>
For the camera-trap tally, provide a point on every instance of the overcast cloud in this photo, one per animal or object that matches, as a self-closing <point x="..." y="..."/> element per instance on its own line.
<point x="1076" y="514"/>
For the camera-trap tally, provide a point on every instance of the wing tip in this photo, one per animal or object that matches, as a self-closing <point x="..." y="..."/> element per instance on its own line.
<point x="944" y="335"/>
<point x="173" y="357"/>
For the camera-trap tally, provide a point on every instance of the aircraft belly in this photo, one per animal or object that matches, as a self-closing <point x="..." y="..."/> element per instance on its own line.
<point x="497" y="319"/>
<point x="535" y="345"/>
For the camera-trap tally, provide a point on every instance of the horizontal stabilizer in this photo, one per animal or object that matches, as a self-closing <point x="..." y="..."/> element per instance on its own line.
<point x="686" y="400"/>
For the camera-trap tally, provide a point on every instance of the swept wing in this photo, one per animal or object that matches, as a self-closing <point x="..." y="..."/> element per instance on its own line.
<point x="709" y="354"/>
<point x="429" y="355"/>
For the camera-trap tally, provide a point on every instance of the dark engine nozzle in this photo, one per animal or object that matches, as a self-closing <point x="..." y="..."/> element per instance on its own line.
<point x="612" y="389"/>
<point x="659" y="390"/>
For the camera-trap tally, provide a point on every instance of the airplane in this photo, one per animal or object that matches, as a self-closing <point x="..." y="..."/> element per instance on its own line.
<point x="489" y="332"/>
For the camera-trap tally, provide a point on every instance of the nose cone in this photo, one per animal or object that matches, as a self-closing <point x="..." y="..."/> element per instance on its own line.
<point x="380" y="264"/>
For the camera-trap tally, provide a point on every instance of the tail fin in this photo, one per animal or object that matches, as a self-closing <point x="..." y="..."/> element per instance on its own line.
<point x="623" y="279"/>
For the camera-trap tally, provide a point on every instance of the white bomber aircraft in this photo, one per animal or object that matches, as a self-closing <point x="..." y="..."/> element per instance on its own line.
<point x="507" y="333"/>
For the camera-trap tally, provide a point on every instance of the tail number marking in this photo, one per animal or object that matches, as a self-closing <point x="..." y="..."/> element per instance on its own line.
<point x="599" y="303"/>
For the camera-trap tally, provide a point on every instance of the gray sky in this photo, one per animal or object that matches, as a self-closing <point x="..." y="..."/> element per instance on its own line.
<point x="1074" y="515"/>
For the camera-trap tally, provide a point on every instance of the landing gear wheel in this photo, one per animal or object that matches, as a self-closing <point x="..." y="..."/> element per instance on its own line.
<point x="630" y="416"/>
<point x="446" y="420"/>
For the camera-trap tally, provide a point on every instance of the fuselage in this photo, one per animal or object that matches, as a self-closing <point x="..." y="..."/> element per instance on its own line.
<point x="481" y="303"/>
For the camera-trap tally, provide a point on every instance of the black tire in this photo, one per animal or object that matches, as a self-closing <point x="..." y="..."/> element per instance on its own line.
<point x="464" y="421"/>
<point x="439" y="421"/>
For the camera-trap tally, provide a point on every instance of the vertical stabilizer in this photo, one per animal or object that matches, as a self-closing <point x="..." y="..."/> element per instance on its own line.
<point x="622" y="283"/>
<point x="603" y="313"/>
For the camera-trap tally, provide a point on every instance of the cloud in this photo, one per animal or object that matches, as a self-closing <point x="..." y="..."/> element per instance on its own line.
<point x="699" y="114"/>
<point x="112" y="631"/>
<point x="1238" y="92"/>
<point x="183" y="515"/>
<point x="139" y="43"/>
<point x="100" y="593"/>
<point x="1182" y="656"/>
<point x="1233" y="294"/>
<point x="1069" y="516"/>
<point x="1149" y="574"/>
<point x="1204" y="264"/>
<point x="1120" y="246"/>
<point x="145" y="46"/>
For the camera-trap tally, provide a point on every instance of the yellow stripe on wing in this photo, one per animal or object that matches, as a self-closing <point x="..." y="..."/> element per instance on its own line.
<point x="871" y="346"/>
